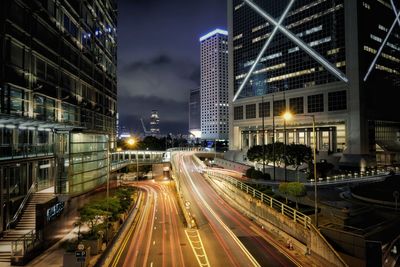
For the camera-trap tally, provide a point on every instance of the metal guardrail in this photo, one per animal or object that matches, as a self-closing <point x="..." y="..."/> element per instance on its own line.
<point x="284" y="209"/>
<point x="31" y="190"/>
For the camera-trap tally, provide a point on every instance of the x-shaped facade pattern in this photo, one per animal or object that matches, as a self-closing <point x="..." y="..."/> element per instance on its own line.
<point x="396" y="20"/>
<point x="306" y="48"/>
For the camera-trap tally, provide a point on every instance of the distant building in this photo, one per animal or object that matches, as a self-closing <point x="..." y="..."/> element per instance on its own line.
<point x="154" y="123"/>
<point x="352" y="99"/>
<point x="214" y="86"/>
<point x="194" y="113"/>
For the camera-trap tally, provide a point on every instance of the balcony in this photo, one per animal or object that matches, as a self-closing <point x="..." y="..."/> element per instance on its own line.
<point x="25" y="151"/>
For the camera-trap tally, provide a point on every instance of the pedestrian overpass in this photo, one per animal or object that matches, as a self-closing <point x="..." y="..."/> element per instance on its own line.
<point x="121" y="159"/>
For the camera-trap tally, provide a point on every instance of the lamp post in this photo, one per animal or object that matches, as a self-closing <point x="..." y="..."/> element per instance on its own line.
<point x="263" y="132"/>
<point x="288" y="116"/>
<point x="273" y="133"/>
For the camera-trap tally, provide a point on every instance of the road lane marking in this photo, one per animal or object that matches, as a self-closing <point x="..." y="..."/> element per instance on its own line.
<point x="234" y="237"/>
<point x="191" y="234"/>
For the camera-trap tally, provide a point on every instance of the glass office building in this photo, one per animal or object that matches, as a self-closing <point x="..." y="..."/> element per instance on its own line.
<point x="58" y="96"/>
<point x="350" y="112"/>
<point x="194" y="113"/>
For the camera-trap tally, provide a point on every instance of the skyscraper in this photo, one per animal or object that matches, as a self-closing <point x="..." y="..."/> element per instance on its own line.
<point x="58" y="97"/>
<point x="319" y="62"/>
<point x="154" y="123"/>
<point x="194" y="113"/>
<point x="214" y="85"/>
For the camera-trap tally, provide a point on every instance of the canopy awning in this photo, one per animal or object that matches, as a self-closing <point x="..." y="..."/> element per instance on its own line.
<point x="16" y="121"/>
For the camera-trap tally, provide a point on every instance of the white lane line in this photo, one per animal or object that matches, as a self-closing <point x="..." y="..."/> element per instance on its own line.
<point x="197" y="254"/>
<point x="234" y="237"/>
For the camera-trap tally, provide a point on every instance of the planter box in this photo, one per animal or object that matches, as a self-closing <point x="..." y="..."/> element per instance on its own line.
<point x="95" y="246"/>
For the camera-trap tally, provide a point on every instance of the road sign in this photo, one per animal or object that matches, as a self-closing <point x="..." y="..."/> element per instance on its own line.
<point x="80" y="255"/>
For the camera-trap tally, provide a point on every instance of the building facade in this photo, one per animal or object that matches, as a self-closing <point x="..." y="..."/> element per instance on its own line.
<point x="316" y="65"/>
<point x="194" y="113"/>
<point x="58" y="97"/>
<point x="214" y="86"/>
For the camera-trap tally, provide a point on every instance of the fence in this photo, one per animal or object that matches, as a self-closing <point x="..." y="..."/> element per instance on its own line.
<point x="284" y="209"/>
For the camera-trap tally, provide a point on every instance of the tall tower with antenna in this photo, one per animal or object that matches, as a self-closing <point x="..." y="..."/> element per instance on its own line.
<point x="154" y="123"/>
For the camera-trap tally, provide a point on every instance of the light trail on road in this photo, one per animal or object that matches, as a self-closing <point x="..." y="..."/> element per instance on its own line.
<point x="233" y="231"/>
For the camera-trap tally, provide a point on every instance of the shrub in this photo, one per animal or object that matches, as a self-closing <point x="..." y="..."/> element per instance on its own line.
<point x="249" y="172"/>
<point x="266" y="176"/>
<point x="257" y="175"/>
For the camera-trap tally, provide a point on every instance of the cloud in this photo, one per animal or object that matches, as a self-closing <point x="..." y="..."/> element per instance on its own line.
<point x="161" y="77"/>
<point x="173" y="114"/>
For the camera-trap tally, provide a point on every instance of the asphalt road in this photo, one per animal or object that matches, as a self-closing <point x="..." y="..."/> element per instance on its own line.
<point x="157" y="236"/>
<point x="229" y="238"/>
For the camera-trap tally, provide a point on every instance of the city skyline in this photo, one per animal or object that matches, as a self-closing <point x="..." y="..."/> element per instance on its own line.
<point x="160" y="54"/>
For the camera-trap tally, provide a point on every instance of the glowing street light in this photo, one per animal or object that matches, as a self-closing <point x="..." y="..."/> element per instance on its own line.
<point x="131" y="142"/>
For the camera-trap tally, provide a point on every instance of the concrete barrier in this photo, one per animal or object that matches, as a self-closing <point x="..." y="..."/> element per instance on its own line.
<point x="306" y="236"/>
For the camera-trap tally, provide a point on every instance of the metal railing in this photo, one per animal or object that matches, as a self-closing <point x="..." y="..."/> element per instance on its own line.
<point x="25" y="244"/>
<point x="284" y="209"/>
<point x="15" y="218"/>
<point x="25" y="151"/>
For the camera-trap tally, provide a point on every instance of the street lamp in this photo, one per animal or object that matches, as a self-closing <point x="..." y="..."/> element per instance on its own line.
<point x="289" y="116"/>
<point x="131" y="142"/>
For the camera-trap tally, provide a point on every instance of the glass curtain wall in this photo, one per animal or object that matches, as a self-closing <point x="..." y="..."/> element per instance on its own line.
<point x="88" y="162"/>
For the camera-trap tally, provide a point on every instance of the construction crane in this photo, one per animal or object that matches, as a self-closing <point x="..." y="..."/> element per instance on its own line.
<point x="144" y="128"/>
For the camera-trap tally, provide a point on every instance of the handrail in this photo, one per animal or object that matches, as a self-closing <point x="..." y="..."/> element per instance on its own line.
<point x="263" y="198"/>
<point x="315" y="230"/>
<point x="21" y="207"/>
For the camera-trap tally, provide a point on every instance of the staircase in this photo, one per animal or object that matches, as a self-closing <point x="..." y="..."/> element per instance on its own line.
<point x="26" y="223"/>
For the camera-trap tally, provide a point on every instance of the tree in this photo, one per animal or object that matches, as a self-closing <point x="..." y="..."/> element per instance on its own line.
<point x="283" y="189"/>
<point x="255" y="153"/>
<point x="124" y="196"/>
<point x="257" y="175"/>
<point x="296" y="190"/>
<point x="323" y="168"/>
<point x="249" y="172"/>
<point x="92" y="216"/>
<point x="297" y="154"/>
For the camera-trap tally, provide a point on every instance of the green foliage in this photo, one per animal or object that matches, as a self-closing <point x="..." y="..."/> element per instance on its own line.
<point x="323" y="168"/>
<point x="124" y="195"/>
<point x="266" y="176"/>
<point x="283" y="188"/>
<point x="255" y="153"/>
<point x="257" y="175"/>
<point x="296" y="189"/>
<point x="296" y="154"/>
<point x="96" y="212"/>
<point x="92" y="215"/>
<point x="249" y="172"/>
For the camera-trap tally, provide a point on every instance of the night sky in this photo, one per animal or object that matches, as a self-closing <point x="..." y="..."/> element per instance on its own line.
<point x="159" y="58"/>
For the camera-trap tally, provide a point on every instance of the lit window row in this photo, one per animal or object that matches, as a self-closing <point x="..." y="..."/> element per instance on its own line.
<point x="387" y="69"/>
<point x="291" y="75"/>
<point x="237" y="37"/>
<point x="315" y="16"/>
<point x="262" y="26"/>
